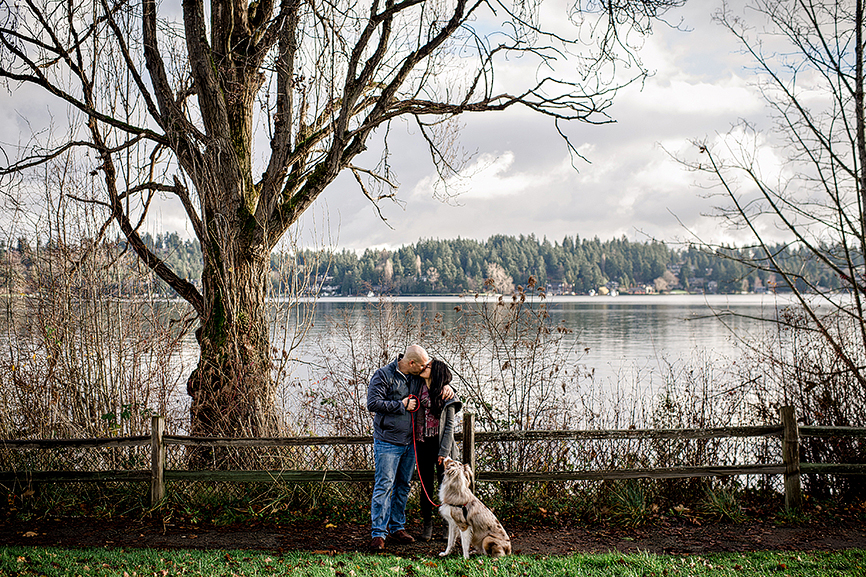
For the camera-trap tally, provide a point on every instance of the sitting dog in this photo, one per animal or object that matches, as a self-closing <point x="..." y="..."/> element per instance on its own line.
<point x="462" y="510"/>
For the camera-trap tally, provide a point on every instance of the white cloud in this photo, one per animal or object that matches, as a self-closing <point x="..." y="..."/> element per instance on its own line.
<point x="693" y="97"/>
<point x="492" y="176"/>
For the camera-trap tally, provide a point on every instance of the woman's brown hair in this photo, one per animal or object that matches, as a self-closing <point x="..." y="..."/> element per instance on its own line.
<point x="440" y="375"/>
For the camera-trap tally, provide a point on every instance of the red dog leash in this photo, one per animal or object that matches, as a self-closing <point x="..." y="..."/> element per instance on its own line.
<point x="415" y="448"/>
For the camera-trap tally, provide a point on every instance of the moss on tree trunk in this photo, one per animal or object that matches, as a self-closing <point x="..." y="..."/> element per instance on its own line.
<point x="232" y="391"/>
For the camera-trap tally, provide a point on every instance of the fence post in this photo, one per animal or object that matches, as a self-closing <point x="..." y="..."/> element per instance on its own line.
<point x="157" y="461"/>
<point x="469" y="443"/>
<point x="791" y="457"/>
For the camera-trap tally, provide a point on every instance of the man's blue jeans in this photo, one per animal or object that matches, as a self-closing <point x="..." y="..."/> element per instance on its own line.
<point x="394" y="466"/>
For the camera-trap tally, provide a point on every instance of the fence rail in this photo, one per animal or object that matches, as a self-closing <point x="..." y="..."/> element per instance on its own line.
<point x="715" y="433"/>
<point x="789" y="465"/>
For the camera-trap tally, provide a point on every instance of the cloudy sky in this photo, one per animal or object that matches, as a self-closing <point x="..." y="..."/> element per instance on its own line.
<point x="521" y="179"/>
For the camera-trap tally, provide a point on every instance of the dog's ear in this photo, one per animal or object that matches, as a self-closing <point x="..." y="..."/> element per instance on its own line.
<point x="468" y="471"/>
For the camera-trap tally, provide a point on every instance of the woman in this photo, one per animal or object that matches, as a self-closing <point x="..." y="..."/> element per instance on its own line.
<point x="434" y="434"/>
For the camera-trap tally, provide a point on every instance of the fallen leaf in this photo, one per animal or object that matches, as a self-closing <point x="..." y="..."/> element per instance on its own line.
<point x="30" y="534"/>
<point x="329" y="525"/>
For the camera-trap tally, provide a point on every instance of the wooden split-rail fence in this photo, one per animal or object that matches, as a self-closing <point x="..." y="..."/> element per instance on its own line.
<point x="789" y="464"/>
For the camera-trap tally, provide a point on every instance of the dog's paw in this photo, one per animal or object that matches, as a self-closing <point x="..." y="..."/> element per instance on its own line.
<point x="443" y="553"/>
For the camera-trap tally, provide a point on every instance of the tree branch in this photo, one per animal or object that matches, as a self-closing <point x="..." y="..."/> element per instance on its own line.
<point x="212" y="103"/>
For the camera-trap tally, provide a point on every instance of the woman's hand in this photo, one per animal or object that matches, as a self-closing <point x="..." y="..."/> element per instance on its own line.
<point x="447" y="392"/>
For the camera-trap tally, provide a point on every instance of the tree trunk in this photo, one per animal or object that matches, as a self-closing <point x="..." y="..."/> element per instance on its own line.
<point x="231" y="389"/>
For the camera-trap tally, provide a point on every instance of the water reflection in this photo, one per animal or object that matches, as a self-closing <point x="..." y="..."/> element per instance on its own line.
<point x="621" y="333"/>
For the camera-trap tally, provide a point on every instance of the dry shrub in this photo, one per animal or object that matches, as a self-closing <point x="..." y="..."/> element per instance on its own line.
<point x="796" y="365"/>
<point x="89" y="355"/>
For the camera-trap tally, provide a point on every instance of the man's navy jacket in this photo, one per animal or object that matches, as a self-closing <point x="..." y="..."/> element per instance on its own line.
<point x="392" y="423"/>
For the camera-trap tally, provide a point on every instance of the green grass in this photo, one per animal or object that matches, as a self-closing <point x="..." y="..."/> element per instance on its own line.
<point x="140" y="562"/>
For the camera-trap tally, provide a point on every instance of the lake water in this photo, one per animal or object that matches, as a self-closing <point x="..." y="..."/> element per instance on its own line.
<point x="630" y="343"/>
<point x="623" y="334"/>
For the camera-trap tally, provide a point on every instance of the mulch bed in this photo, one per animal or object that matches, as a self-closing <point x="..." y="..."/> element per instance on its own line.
<point x="665" y="537"/>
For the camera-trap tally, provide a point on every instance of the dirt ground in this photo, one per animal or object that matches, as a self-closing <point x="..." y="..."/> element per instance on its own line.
<point x="678" y="537"/>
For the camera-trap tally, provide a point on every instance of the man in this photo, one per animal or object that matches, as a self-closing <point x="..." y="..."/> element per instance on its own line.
<point x="392" y="397"/>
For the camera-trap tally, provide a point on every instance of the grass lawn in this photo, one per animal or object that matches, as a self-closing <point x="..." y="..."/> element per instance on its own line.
<point x="139" y="562"/>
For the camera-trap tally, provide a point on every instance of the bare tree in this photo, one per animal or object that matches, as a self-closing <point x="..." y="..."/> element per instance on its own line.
<point x="805" y="178"/>
<point x="175" y="108"/>
<point x="499" y="280"/>
<point x="810" y="63"/>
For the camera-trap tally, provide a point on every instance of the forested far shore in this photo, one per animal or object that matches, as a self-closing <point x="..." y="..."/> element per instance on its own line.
<point x="434" y="267"/>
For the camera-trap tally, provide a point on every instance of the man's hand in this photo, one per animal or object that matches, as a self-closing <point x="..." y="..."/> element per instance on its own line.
<point x="447" y="392"/>
<point x="411" y="403"/>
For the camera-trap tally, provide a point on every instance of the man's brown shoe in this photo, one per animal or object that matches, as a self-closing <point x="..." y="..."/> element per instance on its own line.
<point x="377" y="545"/>
<point x="401" y="537"/>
